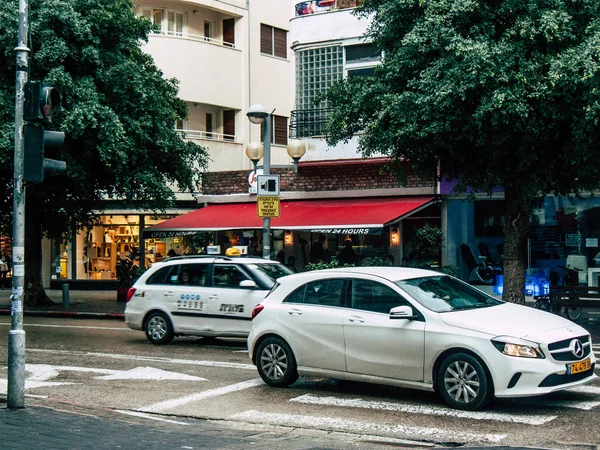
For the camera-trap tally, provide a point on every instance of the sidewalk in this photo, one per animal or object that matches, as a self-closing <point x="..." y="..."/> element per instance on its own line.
<point x="82" y="304"/>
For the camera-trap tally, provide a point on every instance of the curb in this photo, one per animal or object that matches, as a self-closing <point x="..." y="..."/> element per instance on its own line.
<point x="68" y="314"/>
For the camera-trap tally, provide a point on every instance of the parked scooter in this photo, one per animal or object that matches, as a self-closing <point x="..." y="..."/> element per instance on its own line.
<point x="569" y="278"/>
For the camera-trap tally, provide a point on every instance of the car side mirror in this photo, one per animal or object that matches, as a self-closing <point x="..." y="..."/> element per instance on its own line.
<point x="402" y="312"/>
<point x="248" y="284"/>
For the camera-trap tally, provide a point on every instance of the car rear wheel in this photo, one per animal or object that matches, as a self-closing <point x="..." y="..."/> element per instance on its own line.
<point x="463" y="382"/>
<point x="276" y="363"/>
<point x="159" y="330"/>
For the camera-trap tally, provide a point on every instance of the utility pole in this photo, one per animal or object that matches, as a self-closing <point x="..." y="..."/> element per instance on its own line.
<point x="16" y="335"/>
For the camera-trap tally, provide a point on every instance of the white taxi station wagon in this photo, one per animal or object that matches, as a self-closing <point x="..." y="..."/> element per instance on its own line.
<point x="417" y="329"/>
<point x="199" y="296"/>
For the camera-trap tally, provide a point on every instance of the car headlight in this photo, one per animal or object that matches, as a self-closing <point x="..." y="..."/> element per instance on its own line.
<point x="520" y="348"/>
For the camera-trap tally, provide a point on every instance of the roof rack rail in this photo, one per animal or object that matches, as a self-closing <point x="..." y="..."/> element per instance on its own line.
<point x="172" y="258"/>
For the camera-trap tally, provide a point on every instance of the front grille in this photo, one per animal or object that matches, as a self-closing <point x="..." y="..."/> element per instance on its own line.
<point x="561" y="350"/>
<point x="557" y="380"/>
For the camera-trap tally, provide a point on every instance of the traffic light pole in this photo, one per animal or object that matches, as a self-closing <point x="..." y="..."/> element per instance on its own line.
<point x="16" y="335"/>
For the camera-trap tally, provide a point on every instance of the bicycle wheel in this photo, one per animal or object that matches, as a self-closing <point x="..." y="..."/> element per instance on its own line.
<point x="573" y="313"/>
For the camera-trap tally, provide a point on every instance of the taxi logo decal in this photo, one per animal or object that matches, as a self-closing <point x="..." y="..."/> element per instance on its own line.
<point x="229" y="308"/>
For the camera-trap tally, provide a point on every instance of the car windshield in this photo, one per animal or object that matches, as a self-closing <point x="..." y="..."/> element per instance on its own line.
<point x="270" y="272"/>
<point x="443" y="294"/>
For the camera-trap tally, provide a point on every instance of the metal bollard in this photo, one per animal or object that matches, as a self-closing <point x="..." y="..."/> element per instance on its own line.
<point x="65" y="296"/>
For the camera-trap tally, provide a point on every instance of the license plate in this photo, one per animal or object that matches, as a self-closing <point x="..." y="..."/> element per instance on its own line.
<point x="580" y="366"/>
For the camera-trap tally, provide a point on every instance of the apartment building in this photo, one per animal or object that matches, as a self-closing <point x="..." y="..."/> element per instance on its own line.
<point x="226" y="55"/>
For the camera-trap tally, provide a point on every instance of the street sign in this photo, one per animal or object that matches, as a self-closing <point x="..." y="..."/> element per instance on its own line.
<point x="268" y="185"/>
<point x="267" y="207"/>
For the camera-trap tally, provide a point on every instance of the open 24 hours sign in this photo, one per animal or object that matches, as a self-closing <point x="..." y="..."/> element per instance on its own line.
<point x="267" y="206"/>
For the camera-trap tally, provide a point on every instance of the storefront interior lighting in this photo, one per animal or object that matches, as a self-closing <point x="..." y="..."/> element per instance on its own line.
<point x="395" y="236"/>
<point x="289" y="237"/>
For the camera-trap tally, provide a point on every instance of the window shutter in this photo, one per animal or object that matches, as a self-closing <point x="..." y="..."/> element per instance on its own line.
<point x="280" y="130"/>
<point x="266" y="39"/>
<point x="229" y="124"/>
<point x="280" y="43"/>
<point x="229" y="32"/>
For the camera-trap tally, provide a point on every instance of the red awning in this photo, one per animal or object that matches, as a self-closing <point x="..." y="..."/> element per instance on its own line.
<point x="345" y="216"/>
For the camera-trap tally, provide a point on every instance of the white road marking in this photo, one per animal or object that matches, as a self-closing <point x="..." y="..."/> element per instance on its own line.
<point x="43" y="372"/>
<point x="191" y="362"/>
<point x="174" y="403"/>
<point x="28" y="325"/>
<point x="149" y="416"/>
<point x="31" y="385"/>
<point x="418" y="409"/>
<point x="351" y="426"/>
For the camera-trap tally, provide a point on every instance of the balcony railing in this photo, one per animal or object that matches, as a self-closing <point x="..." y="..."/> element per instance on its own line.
<point x="206" y="135"/>
<point x="309" y="122"/>
<point x="315" y="6"/>
<point x="195" y="37"/>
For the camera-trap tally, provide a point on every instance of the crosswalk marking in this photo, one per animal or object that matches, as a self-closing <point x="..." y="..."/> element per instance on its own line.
<point x="530" y="419"/>
<point x="356" y="427"/>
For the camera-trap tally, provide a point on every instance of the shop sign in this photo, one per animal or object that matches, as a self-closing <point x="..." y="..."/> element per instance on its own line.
<point x="268" y="207"/>
<point x="347" y="230"/>
<point x="158" y="234"/>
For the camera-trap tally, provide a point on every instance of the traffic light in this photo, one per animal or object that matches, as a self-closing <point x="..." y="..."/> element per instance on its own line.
<point x="41" y="102"/>
<point x="37" y="140"/>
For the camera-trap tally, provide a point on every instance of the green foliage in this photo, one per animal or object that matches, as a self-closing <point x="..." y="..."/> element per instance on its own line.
<point x="118" y="111"/>
<point x="127" y="270"/>
<point x="375" y="261"/>
<point x="324" y="265"/>
<point x="428" y="242"/>
<point x="499" y="93"/>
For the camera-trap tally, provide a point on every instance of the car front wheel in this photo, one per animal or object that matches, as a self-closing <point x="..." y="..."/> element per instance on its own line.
<point x="463" y="382"/>
<point x="276" y="363"/>
<point x="159" y="330"/>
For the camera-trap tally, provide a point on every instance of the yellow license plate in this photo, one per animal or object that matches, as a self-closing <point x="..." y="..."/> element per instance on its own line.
<point x="580" y="366"/>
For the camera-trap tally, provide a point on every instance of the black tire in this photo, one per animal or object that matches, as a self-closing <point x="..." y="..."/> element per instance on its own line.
<point x="543" y="304"/>
<point x="573" y="313"/>
<point x="463" y="382"/>
<point x="159" y="329"/>
<point x="276" y="363"/>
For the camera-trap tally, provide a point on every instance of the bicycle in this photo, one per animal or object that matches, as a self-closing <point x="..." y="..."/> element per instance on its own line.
<point x="570" y="278"/>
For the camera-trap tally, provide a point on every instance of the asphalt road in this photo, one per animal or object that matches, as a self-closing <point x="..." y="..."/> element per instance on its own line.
<point x="103" y="364"/>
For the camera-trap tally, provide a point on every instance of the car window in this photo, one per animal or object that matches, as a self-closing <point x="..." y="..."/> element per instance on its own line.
<point x="371" y="296"/>
<point x="160" y="276"/>
<point x="192" y="275"/>
<point x="443" y="293"/>
<point x="228" y="276"/>
<point x="320" y="292"/>
<point x="268" y="273"/>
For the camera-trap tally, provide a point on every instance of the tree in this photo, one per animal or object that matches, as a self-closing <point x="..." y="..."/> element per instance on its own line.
<point x="118" y="115"/>
<point x="497" y="92"/>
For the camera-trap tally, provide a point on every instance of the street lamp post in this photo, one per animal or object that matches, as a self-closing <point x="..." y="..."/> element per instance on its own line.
<point x="258" y="114"/>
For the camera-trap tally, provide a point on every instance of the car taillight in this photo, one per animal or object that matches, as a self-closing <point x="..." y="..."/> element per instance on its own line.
<point x="130" y="293"/>
<point x="258" y="308"/>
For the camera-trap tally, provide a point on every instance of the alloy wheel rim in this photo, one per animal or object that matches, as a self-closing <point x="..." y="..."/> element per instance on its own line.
<point x="461" y="381"/>
<point x="274" y="361"/>
<point x="157" y="328"/>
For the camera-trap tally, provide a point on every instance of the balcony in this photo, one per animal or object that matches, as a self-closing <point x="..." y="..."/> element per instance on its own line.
<point x="208" y="70"/>
<point x="317" y="6"/>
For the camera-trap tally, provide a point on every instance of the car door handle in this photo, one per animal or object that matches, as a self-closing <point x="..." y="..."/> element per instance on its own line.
<point x="356" y="319"/>
<point x="295" y="312"/>
<point x="213" y="297"/>
<point x="169" y="294"/>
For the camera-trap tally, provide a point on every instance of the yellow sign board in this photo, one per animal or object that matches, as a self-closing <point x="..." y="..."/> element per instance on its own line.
<point x="267" y="206"/>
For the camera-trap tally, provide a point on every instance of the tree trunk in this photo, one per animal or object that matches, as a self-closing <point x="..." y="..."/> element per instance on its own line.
<point x="516" y="229"/>
<point x="35" y="294"/>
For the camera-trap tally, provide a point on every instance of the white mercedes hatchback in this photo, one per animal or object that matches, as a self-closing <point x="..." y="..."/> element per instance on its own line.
<point x="199" y="296"/>
<point x="417" y="329"/>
